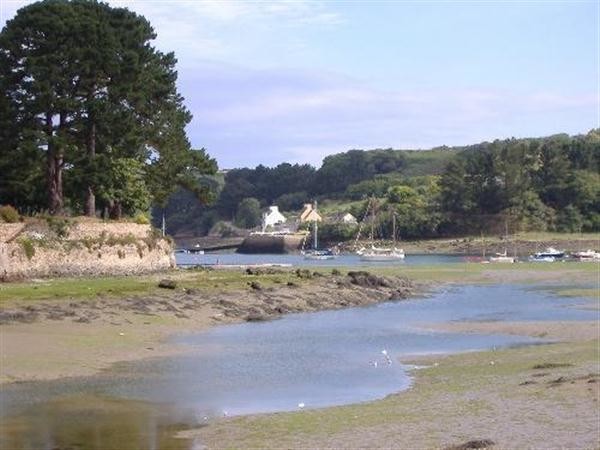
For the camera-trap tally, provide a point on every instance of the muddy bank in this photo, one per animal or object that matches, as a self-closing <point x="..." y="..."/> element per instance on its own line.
<point x="49" y="339"/>
<point x="356" y="288"/>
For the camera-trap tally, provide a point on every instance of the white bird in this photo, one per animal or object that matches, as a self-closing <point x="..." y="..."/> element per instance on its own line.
<point x="225" y="413"/>
<point x="300" y="405"/>
<point x="384" y="352"/>
<point x="373" y="363"/>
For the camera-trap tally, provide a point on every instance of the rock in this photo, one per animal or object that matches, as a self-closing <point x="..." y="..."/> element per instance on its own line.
<point x="304" y="273"/>
<point x="475" y="444"/>
<point x="256" y="286"/>
<point x="256" y="317"/>
<point x="167" y="283"/>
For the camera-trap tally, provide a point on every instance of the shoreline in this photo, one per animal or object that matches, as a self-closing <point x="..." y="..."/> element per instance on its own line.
<point x="53" y="339"/>
<point x="455" y="399"/>
<point x="51" y="329"/>
<point x="501" y="397"/>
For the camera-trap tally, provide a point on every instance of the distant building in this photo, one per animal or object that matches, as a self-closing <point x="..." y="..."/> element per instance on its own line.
<point x="310" y="214"/>
<point x="273" y="217"/>
<point x="349" y="218"/>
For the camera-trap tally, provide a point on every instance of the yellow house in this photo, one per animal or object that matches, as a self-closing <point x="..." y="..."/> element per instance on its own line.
<point x="310" y="214"/>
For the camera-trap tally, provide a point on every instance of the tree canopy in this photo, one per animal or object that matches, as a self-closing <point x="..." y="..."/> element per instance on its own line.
<point x="90" y="106"/>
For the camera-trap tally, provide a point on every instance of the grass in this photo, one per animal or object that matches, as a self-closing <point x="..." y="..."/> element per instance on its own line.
<point x="426" y="162"/>
<point x="88" y="288"/>
<point x="231" y="280"/>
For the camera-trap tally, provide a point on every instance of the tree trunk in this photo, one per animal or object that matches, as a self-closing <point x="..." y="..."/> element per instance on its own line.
<point x="90" y="198"/>
<point x="54" y="168"/>
<point x="115" y="210"/>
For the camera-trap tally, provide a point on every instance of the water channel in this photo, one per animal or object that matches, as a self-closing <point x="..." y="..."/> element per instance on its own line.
<point x="316" y="359"/>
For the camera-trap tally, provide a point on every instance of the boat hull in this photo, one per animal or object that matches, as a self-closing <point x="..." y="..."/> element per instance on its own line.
<point x="398" y="257"/>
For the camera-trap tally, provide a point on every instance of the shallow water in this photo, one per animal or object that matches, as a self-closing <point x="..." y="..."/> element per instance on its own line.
<point x="319" y="359"/>
<point x="346" y="260"/>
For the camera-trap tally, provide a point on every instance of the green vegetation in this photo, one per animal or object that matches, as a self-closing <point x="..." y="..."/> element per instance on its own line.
<point x="28" y="247"/>
<point x="231" y="280"/>
<point x="545" y="185"/>
<point x="90" y="116"/>
<point x="89" y="288"/>
<point x="9" y="214"/>
<point x="248" y="213"/>
<point x="60" y="226"/>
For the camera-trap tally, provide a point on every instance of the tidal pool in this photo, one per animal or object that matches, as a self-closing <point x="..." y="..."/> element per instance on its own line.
<point x="315" y="359"/>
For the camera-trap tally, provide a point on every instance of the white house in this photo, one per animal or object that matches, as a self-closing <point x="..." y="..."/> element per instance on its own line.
<point x="349" y="218"/>
<point x="273" y="217"/>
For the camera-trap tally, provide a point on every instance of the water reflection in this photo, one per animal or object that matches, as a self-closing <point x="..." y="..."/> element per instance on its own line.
<point x="94" y="422"/>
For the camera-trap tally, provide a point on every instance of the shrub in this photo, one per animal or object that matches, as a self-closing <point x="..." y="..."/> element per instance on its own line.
<point x="9" y="214"/>
<point x="61" y="227"/>
<point x="141" y="219"/>
<point x="28" y="247"/>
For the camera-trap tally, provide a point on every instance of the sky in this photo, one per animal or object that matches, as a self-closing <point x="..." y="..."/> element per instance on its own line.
<point x="297" y="80"/>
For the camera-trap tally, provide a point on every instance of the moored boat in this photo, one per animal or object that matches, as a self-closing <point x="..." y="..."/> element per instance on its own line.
<point x="315" y="253"/>
<point x="381" y="254"/>
<point x="502" y="258"/>
<point x="374" y="253"/>
<point x="587" y="255"/>
<point x="550" y="252"/>
<point x="536" y="258"/>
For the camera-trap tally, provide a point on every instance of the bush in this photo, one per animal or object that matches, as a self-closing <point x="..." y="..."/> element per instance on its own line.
<point x="61" y="227"/>
<point x="9" y="214"/>
<point x="28" y="247"/>
<point x="141" y="219"/>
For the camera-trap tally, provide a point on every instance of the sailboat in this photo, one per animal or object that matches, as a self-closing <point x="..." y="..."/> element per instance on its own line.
<point x="381" y="253"/>
<point x="315" y="253"/>
<point x="503" y="257"/>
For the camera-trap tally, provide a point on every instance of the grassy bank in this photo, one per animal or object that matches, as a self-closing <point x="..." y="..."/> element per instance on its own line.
<point x="133" y="286"/>
<point x="226" y="280"/>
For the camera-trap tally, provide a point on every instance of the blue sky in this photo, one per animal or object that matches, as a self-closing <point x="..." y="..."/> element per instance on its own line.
<point x="296" y="80"/>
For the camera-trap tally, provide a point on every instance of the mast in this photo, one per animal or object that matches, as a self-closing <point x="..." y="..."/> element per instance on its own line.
<point x="394" y="228"/>
<point x="373" y="223"/>
<point x="315" y="242"/>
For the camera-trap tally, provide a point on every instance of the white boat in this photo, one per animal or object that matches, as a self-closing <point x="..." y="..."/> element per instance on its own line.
<point x="502" y="258"/>
<point x="319" y="255"/>
<point x="550" y="252"/>
<point x="536" y="258"/>
<point x="382" y="253"/>
<point x="315" y="253"/>
<point x="587" y="255"/>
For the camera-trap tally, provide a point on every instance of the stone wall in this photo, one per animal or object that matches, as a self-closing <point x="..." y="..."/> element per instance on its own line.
<point x="91" y="249"/>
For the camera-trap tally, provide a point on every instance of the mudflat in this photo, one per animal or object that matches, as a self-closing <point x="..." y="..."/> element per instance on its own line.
<point x="541" y="396"/>
<point x="48" y="338"/>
